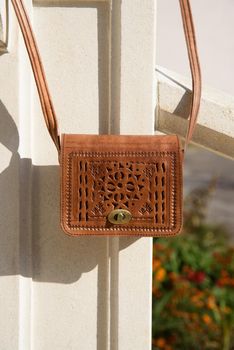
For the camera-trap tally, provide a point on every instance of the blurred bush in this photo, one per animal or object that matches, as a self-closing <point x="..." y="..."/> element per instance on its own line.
<point x="193" y="283"/>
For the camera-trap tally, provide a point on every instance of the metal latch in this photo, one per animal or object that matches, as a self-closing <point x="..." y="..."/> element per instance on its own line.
<point x="119" y="216"/>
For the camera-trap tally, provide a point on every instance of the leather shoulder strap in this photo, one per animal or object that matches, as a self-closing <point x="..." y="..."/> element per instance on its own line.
<point x="42" y="87"/>
<point x="194" y="67"/>
<point x="38" y="71"/>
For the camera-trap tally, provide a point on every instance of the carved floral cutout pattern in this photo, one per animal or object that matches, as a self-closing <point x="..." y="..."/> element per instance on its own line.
<point x="119" y="185"/>
<point x="141" y="187"/>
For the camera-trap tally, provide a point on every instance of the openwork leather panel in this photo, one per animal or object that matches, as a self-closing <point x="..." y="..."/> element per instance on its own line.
<point x="146" y="182"/>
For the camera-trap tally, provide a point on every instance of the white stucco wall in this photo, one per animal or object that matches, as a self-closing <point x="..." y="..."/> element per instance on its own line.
<point x="58" y="292"/>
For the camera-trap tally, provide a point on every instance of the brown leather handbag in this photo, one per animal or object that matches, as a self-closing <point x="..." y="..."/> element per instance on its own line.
<point x="113" y="184"/>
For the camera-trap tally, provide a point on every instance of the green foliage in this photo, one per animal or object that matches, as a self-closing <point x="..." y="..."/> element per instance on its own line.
<point x="193" y="283"/>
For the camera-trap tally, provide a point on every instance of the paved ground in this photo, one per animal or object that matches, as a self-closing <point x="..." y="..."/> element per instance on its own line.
<point x="200" y="167"/>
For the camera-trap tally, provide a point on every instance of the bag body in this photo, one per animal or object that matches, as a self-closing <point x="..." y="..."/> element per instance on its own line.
<point x="121" y="185"/>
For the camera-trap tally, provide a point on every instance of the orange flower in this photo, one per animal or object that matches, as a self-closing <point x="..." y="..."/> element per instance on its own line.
<point x="157" y="293"/>
<point x="196" y="299"/>
<point x="225" y="281"/>
<point x="160" y="342"/>
<point x="160" y="274"/>
<point x="158" y="247"/>
<point x="224" y="273"/>
<point x="173" y="276"/>
<point x="207" y="319"/>
<point x="223" y="259"/>
<point x="186" y="269"/>
<point x="227" y="310"/>
<point x="211" y="304"/>
<point x="168" y="347"/>
<point x="156" y="264"/>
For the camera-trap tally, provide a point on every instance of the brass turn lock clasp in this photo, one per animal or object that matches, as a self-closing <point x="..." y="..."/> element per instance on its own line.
<point x="119" y="216"/>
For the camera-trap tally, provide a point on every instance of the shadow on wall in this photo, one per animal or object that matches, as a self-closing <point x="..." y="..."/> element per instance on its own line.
<point x="32" y="242"/>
